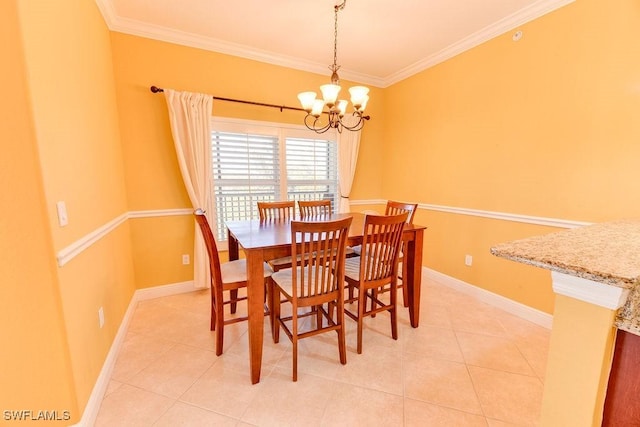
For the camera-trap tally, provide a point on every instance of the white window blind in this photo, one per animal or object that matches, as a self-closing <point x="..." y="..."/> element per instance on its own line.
<point x="312" y="169"/>
<point x="245" y="171"/>
<point x="255" y="161"/>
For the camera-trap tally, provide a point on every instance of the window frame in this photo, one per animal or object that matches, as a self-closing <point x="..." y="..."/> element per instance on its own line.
<point x="281" y="131"/>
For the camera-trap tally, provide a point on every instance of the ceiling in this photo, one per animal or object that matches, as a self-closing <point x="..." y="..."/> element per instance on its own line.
<point x="380" y="42"/>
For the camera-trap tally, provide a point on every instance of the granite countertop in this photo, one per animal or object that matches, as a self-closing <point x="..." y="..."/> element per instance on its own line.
<point x="608" y="253"/>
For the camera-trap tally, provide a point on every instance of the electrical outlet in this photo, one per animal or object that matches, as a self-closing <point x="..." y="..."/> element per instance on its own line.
<point x="185" y="259"/>
<point x="101" y="317"/>
<point x="468" y="260"/>
<point x="63" y="218"/>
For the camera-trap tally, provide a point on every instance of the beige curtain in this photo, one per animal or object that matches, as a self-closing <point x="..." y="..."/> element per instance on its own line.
<point x="190" y="114"/>
<point x="348" y="145"/>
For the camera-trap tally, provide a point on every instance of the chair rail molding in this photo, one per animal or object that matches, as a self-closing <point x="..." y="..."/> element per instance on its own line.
<point x="503" y="216"/>
<point x="68" y="253"/>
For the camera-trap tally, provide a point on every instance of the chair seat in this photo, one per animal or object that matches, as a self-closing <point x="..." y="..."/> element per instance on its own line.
<point x="284" y="279"/>
<point x="352" y="268"/>
<point x="236" y="271"/>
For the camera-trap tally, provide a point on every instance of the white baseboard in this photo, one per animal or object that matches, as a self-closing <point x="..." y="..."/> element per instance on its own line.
<point x="95" y="400"/>
<point x="164" y="291"/>
<point x="517" y="309"/>
<point x="93" y="406"/>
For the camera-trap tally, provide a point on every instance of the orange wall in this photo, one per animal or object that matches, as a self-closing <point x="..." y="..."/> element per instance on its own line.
<point x="542" y="127"/>
<point x="35" y="370"/>
<point x="152" y="174"/>
<point x="546" y="126"/>
<point x="69" y="77"/>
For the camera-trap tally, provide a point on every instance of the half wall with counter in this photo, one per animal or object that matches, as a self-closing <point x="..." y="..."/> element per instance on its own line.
<point x="595" y="272"/>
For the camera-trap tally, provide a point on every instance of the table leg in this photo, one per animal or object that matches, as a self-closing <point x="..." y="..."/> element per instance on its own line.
<point x="414" y="276"/>
<point x="234" y="253"/>
<point x="255" y="300"/>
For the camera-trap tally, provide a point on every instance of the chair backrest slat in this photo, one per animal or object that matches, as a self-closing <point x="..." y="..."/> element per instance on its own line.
<point x="275" y="210"/>
<point x="395" y="208"/>
<point x="314" y="207"/>
<point x="381" y="242"/>
<point x="321" y="247"/>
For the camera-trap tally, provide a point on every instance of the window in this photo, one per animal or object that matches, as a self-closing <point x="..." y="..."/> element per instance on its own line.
<point x="254" y="162"/>
<point x="312" y="169"/>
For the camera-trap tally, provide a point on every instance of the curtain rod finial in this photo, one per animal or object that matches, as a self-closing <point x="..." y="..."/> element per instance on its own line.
<point x="156" y="89"/>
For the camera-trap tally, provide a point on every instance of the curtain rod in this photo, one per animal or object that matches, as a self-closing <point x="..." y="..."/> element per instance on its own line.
<point x="156" y="89"/>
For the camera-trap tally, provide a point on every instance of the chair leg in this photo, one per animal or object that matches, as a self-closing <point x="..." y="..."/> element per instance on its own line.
<point x="213" y="312"/>
<point x="294" y="341"/>
<point x="374" y="297"/>
<point x="318" y="316"/>
<point x="233" y="294"/>
<point x="362" y="301"/>
<point x="405" y="292"/>
<point x="394" y="311"/>
<point x="271" y="291"/>
<point x="342" y="344"/>
<point x="275" y="325"/>
<point x="219" y="332"/>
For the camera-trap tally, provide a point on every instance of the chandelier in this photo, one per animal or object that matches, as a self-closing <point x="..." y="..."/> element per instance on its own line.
<point x="336" y="108"/>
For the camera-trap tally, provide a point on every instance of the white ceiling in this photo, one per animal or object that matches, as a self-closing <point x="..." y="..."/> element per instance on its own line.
<point x="380" y="42"/>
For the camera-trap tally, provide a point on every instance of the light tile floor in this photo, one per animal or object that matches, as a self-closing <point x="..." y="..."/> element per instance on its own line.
<point x="467" y="364"/>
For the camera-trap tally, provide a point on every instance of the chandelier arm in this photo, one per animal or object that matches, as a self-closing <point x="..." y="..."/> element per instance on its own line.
<point x="359" y="125"/>
<point x="315" y="126"/>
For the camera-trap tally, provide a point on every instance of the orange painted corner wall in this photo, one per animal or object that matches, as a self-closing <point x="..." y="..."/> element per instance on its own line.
<point x="153" y="177"/>
<point x="35" y="368"/>
<point x="545" y="126"/>
<point x="158" y="244"/>
<point x="71" y="94"/>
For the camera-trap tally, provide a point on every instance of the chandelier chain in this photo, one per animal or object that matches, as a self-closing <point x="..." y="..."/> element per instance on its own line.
<point x="335" y="37"/>
<point x="335" y="67"/>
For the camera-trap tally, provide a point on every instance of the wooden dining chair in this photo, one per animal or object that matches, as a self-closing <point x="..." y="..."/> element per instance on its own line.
<point x="229" y="276"/>
<point x="273" y="211"/>
<point x="276" y="210"/>
<point x="376" y="271"/>
<point x="317" y="281"/>
<point x="310" y="208"/>
<point x="394" y="208"/>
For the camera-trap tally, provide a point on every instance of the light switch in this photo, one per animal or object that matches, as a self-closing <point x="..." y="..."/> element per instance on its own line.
<point x="62" y="214"/>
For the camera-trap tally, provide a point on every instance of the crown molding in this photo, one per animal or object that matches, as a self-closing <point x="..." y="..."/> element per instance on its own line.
<point x="508" y="23"/>
<point x="155" y="32"/>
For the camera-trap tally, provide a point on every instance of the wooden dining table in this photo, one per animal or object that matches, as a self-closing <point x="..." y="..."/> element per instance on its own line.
<point x="265" y="240"/>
